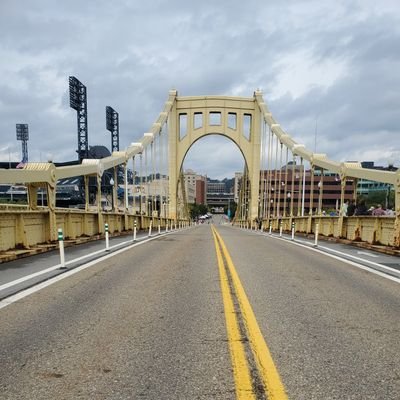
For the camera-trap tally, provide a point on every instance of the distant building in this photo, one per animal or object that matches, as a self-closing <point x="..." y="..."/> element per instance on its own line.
<point x="216" y="187"/>
<point x="195" y="187"/>
<point x="218" y="195"/>
<point x="281" y="198"/>
<point x="201" y="189"/>
<point x="364" y="186"/>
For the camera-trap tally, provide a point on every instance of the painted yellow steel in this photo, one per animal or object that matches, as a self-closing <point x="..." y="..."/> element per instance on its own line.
<point x="35" y="175"/>
<point x="47" y="172"/>
<point x="224" y="106"/>
<point x="368" y="229"/>
<point x="23" y="228"/>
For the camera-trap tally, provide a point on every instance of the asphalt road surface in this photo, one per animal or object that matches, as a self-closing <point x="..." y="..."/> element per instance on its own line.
<point x="151" y="323"/>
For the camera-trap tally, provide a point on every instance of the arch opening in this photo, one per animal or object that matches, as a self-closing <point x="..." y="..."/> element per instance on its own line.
<point x="213" y="168"/>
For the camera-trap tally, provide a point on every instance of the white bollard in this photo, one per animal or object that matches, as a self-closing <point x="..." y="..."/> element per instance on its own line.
<point x="292" y="230"/>
<point x="280" y="230"/>
<point x="150" y="226"/>
<point x="61" y="243"/>
<point x="270" y="228"/>
<point x="134" y="230"/>
<point x="159" y="228"/>
<point x="316" y="235"/>
<point x="107" y="239"/>
<point x="166" y="226"/>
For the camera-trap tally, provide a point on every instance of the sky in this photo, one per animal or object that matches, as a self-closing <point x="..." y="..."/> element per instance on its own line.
<point x="328" y="70"/>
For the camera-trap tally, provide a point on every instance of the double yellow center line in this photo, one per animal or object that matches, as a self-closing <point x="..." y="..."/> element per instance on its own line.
<point x="241" y="370"/>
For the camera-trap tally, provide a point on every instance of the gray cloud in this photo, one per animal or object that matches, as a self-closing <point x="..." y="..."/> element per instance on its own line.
<point x="332" y="62"/>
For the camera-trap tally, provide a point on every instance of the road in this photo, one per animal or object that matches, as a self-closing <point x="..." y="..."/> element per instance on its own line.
<point x="153" y="322"/>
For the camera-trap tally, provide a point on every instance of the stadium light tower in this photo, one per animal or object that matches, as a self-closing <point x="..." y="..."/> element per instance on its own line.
<point x="112" y="125"/>
<point x="78" y="101"/>
<point x="23" y="135"/>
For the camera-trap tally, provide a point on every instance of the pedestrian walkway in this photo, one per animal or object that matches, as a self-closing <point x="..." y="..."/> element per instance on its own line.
<point x="25" y="272"/>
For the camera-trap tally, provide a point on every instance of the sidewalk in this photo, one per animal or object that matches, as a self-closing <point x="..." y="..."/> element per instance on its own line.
<point x="16" y="254"/>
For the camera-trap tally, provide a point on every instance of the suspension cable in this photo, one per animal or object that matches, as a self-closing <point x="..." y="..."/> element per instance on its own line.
<point x="270" y="138"/>
<point x="274" y="208"/>
<point x="286" y="182"/>
<point x="300" y="186"/>
<point x="133" y="185"/>
<point x="141" y="184"/>
<point x="280" y="182"/>
<point x="292" y="189"/>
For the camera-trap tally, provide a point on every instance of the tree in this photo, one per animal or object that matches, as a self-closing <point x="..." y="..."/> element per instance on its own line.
<point x="383" y="197"/>
<point x="197" y="209"/>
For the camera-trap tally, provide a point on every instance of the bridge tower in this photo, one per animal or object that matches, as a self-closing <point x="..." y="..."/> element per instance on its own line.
<point x="236" y="118"/>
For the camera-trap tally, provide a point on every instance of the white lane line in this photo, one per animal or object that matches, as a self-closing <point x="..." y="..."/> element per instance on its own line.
<point x="25" y="278"/>
<point x="353" y="263"/>
<point x="44" y="271"/>
<point x="329" y="249"/>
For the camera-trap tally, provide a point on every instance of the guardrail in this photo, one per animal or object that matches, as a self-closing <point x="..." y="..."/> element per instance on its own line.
<point x="369" y="229"/>
<point x="23" y="228"/>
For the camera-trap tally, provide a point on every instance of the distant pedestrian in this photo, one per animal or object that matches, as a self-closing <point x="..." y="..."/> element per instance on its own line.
<point x="351" y="209"/>
<point x="361" y="208"/>
<point x="390" y="212"/>
<point x="379" y="211"/>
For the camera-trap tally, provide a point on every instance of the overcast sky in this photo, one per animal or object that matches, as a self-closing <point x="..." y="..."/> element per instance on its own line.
<point x="329" y="68"/>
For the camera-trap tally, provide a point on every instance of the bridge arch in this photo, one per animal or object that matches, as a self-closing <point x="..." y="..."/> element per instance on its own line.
<point x="208" y="135"/>
<point x="192" y="118"/>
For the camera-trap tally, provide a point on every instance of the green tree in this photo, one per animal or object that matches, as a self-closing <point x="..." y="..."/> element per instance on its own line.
<point x="197" y="209"/>
<point x="383" y="197"/>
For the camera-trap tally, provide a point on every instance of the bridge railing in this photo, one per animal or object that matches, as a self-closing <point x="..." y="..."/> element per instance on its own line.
<point x="24" y="229"/>
<point x="368" y="229"/>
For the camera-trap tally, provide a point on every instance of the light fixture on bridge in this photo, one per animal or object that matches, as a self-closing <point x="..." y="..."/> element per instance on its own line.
<point x="23" y="135"/>
<point x="78" y="101"/>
